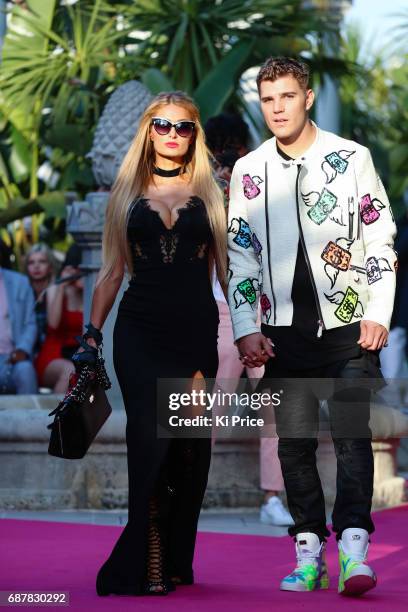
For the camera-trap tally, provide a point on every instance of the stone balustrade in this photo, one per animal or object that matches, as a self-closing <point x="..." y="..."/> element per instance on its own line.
<point x="31" y="479"/>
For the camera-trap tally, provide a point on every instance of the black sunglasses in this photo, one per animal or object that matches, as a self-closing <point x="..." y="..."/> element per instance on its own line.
<point x="184" y="129"/>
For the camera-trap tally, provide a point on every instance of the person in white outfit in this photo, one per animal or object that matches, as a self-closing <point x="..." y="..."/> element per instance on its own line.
<point x="310" y="238"/>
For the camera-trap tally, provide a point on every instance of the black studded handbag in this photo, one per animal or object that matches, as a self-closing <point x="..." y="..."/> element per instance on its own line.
<point x="82" y="412"/>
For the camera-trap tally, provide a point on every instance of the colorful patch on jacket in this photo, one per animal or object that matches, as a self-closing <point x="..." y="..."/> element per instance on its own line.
<point x="242" y="231"/>
<point x="266" y="307"/>
<point x="336" y="255"/>
<point x="338" y="259"/>
<point x="370" y="209"/>
<point x="322" y="204"/>
<point x="349" y="305"/>
<point x="257" y="246"/>
<point x="250" y="185"/>
<point x="375" y="267"/>
<point x="336" y="163"/>
<point x="246" y="292"/>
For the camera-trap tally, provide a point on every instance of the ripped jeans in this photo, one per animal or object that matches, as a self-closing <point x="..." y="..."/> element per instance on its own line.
<point x="297" y="425"/>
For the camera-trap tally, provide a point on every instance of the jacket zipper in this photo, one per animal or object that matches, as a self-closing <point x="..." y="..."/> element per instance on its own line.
<point x="268" y="243"/>
<point x="302" y="241"/>
<point x="358" y="223"/>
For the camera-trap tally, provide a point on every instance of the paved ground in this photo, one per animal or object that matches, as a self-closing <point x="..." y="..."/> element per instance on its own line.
<point x="242" y="521"/>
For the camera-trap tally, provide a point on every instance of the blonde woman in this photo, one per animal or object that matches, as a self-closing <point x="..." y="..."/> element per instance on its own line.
<point x="166" y="223"/>
<point x="40" y="266"/>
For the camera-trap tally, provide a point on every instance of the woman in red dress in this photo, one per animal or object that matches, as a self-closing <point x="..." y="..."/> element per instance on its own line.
<point x="64" y="318"/>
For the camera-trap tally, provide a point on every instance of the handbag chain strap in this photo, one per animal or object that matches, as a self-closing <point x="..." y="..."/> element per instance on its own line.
<point x="101" y="373"/>
<point x="78" y="392"/>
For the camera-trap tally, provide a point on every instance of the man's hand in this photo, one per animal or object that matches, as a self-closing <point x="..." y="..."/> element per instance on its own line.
<point x="255" y="349"/>
<point x="18" y="355"/>
<point x="373" y="336"/>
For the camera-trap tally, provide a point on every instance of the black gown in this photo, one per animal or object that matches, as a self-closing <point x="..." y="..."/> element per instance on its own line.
<point x="166" y="327"/>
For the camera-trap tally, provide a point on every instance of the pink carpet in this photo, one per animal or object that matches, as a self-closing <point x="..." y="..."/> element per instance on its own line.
<point x="234" y="572"/>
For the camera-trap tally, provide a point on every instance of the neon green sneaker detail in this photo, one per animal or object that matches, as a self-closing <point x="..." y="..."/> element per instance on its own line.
<point x="356" y="577"/>
<point x="310" y="573"/>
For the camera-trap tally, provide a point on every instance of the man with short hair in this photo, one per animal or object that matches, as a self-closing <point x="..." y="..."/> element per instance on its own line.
<point x="18" y="333"/>
<point x="310" y="236"/>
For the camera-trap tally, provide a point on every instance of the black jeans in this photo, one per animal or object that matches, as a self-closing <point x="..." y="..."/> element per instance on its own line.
<point x="297" y="425"/>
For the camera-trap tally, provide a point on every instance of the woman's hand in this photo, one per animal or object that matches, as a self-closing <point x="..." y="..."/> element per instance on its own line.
<point x="91" y="343"/>
<point x="86" y="356"/>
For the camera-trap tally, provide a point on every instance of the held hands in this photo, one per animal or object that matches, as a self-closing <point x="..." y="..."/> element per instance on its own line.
<point x="373" y="336"/>
<point x="255" y="350"/>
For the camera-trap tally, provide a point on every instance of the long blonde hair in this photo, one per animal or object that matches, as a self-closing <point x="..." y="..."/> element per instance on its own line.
<point x="136" y="173"/>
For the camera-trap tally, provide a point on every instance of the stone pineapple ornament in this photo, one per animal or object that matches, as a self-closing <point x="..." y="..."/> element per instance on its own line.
<point x="115" y="130"/>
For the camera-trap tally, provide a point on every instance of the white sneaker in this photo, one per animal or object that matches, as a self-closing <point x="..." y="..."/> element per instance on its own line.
<point x="275" y="513"/>
<point x="356" y="576"/>
<point x="310" y="573"/>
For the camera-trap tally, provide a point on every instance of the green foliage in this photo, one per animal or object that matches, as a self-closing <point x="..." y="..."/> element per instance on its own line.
<point x="203" y="46"/>
<point x="397" y="133"/>
<point x="374" y="109"/>
<point x="61" y="62"/>
<point x="54" y="82"/>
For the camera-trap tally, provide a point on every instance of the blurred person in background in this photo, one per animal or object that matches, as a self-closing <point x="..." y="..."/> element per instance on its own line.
<point x="41" y="268"/>
<point x="394" y="357"/>
<point x="18" y="331"/>
<point x="64" y="305"/>
<point x="227" y="137"/>
<point x="6" y="256"/>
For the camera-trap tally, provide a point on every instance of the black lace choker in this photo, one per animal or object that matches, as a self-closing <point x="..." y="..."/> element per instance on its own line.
<point x="167" y="173"/>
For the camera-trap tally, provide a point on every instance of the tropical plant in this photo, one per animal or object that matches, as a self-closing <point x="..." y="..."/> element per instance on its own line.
<point x="203" y="46"/>
<point x="61" y="61"/>
<point x="374" y="107"/>
<point x="364" y="92"/>
<point x="54" y="80"/>
<point x="397" y="131"/>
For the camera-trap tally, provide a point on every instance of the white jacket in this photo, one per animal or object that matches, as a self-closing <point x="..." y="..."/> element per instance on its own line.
<point x="332" y="199"/>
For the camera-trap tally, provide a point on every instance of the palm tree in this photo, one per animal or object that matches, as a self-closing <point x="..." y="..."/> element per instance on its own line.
<point x="54" y="78"/>
<point x="374" y="106"/>
<point x="203" y="46"/>
<point x="60" y="63"/>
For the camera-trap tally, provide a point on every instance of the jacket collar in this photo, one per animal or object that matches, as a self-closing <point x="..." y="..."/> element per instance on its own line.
<point x="308" y="155"/>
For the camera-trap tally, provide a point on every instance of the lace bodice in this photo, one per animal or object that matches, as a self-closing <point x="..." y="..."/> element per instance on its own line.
<point x="154" y="245"/>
